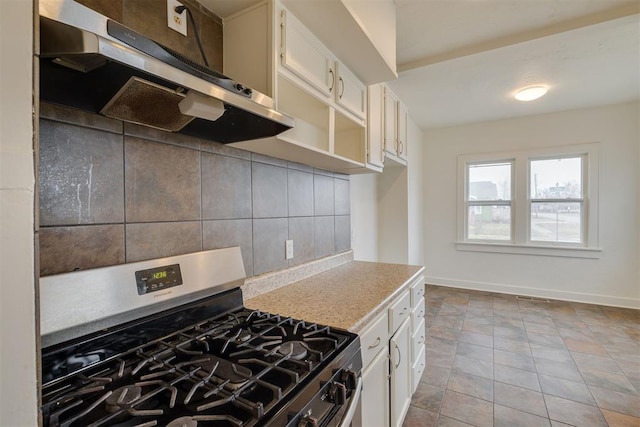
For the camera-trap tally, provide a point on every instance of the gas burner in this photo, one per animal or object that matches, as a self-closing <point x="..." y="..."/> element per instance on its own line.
<point x="243" y="336"/>
<point x="296" y="350"/>
<point x="123" y="397"/>
<point x="193" y="421"/>
<point x="183" y="422"/>
<point x="232" y="375"/>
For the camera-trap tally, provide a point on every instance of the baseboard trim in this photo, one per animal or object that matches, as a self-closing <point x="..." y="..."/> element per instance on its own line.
<point x="536" y="292"/>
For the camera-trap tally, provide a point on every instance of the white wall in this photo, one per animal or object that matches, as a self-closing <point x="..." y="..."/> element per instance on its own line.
<point x="613" y="279"/>
<point x="364" y="217"/>
<point x="415" y="191"/>
<point x="393" y="215"/>
<point x="18" y="384"/>
<point x="387" y="209"/>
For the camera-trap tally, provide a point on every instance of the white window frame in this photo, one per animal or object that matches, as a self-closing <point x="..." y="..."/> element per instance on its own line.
<point x="521" y="198"/>
<point x="510" y="202"/>
<point x="584" y="184"/>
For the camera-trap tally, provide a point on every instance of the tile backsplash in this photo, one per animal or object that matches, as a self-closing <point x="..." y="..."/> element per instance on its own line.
<point x="112" y="192"/>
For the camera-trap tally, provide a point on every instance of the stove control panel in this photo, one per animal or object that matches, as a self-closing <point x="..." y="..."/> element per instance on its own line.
<point x="158" y="278"/>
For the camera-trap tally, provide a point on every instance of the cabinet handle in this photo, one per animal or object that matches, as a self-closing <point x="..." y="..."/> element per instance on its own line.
<point x="333" y="80"/>
<point x="400" y="147"/>
<point x="404" y="310"/>
<point x="377" y="343"/>
<point x="421" y="341"/>
<point x="399" y="356"/>
<point x="342" y="91"/>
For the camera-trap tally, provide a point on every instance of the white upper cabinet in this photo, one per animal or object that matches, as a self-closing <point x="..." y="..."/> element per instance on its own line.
<point x="395" y="129"/>
<point x="375" y="127"/>
<point x="362" y="33"/>
<point x="304" y="56"/>
<point x="350" y="92"/>
<point x="306" y="81"/>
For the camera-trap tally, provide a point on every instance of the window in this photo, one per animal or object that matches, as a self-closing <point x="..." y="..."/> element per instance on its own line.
<point x="556" y="200"/>
<point x="537" y="201"/>
<point x="489" y="201"/>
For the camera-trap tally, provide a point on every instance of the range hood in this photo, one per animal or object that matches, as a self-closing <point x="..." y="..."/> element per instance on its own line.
<point x="93" y="63"/>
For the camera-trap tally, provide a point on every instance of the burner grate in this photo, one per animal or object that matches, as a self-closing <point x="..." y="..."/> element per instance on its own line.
<point x="232" y="370"/>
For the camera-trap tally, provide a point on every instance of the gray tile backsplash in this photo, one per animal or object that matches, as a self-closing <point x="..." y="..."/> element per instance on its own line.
<point x="81" y="178"/>
<point x="323" y="195"/>
<point x="301" y="232"/>
<point x="269" y="235"/>
<point x="226" y="187"/>
<point x="112" y="193"/>
<point x="300" y="187"/>
<point x="64" y="249"/>
<point x="230" y="232"/>
<point x="269" y="191"/>
<point x="160" y="239"/>
<point x="162" y="182"/>
<point x="324" y="236"/>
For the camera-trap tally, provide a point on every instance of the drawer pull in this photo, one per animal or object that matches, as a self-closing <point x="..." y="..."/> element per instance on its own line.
<point x="377" y="343"/>
<point x="404" y="310"/>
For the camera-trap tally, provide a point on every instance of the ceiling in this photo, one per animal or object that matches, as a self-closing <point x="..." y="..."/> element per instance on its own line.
<point x="460" y="61"/>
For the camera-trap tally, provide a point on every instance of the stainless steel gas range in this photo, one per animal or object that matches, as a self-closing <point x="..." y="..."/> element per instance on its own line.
<point x="168" y="342"/>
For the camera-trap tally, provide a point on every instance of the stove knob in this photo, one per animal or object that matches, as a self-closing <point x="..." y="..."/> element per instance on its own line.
<point x="308" y="421"/>
<point x="337" y="393"/>
<point x="350" y="379"/>
<point x="239" y="87"/>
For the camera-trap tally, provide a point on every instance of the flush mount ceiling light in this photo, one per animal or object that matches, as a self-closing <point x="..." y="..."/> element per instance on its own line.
<point x="530" y="93"/>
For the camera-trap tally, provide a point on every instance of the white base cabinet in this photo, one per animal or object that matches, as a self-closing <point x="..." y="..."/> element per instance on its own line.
<point x="400" y="360"/>
<point x="375" y="391"/>
<point x="393" y="358"/>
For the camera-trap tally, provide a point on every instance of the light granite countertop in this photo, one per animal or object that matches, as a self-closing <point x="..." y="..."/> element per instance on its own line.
<point x="348" y="296"/>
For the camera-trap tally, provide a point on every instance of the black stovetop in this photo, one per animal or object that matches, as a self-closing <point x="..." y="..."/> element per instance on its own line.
<point x="210" y="361"/>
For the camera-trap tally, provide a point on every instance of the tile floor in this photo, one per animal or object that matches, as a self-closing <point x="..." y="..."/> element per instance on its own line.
<point x="495" y="360"/>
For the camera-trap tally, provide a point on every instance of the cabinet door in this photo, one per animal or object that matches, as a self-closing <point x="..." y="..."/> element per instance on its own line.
<point x="375" y="124"/>
<point x="304" y="55"/>
<point x="402" y="130"/>
<point x="400" y="351"/>
<point x="390" y="116"/>
<point x="375" y="391"/>
<point x="350" y="92"/>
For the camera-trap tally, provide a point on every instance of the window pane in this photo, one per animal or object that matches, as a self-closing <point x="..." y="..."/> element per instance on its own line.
<point x="556" y="222"/>
<point x="489" y="223"/>
<point x="490" y="181"/>
<point x="556" y="178"/>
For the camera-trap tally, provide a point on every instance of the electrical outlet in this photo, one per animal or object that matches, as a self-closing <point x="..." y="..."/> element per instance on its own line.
<point x="288" y="245"/>
<point x="176" y="21"/>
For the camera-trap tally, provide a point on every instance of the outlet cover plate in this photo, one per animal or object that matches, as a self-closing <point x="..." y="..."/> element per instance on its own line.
<point x="176" y="21"/>
<point x="288" y="244"/>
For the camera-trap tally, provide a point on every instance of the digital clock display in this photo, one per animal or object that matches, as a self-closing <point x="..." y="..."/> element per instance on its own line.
<point x="160" y="274"/>
<point x="157" y="279"/>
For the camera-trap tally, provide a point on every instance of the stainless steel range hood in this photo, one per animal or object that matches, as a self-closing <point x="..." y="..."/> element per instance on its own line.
<point x="93" y="63"/>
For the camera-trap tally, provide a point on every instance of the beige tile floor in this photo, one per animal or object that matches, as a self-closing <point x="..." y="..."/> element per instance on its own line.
<point x="496" y="360"/>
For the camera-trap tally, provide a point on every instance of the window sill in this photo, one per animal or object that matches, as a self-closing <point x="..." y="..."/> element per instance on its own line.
<point x="504" y="248"/>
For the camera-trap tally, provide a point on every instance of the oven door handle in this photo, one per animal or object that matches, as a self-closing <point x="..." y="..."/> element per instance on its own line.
<point x="353" y="405"/>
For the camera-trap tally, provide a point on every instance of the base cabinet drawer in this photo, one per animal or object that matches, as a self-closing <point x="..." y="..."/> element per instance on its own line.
<point x="417" y="342"/>
<point x="399" y="311"/>
<point x="417" y="291"/>
<point x="417" y="370"/>
<point x="417" y="315"/>
<point x="375" y="338"/>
